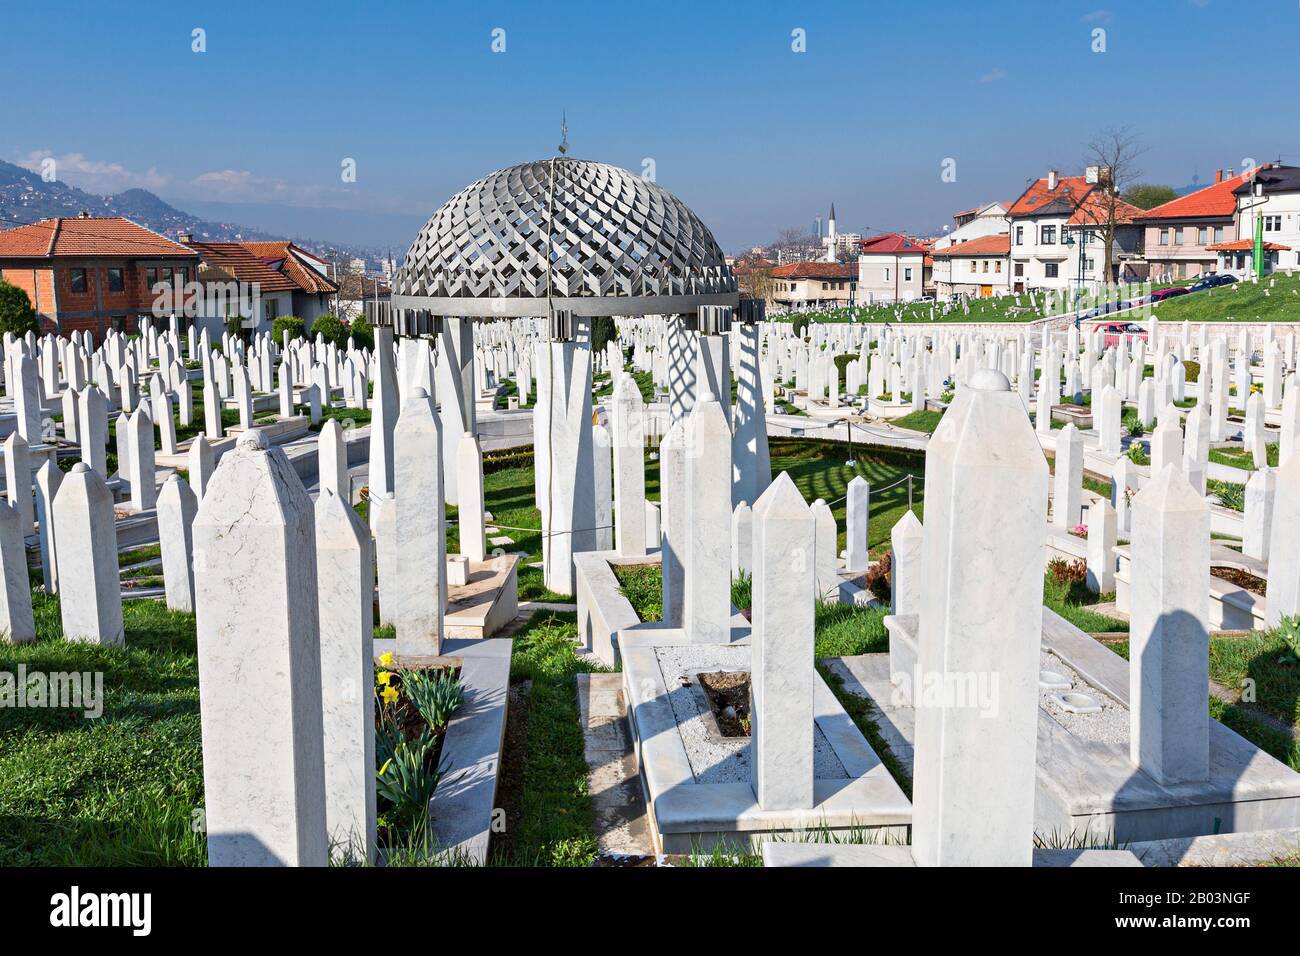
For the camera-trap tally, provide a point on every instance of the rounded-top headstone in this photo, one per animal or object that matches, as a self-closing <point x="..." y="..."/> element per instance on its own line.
<point x="989" y="380"/>
<point x="80" y="468"/>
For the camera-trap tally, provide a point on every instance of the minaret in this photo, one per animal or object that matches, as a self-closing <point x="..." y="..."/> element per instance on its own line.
<point x="830" y="235"/>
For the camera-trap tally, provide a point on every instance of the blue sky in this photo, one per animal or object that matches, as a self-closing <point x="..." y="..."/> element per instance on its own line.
<point x="752" y="135"/>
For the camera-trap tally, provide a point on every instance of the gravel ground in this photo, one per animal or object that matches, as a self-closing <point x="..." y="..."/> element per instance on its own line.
<point x="724" y="760"/>
<point x="1111" y="726"/>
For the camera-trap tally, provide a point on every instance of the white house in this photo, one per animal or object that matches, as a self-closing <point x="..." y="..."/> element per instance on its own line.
<point x="892" y="268"/>
<point x="1271" y="198"/>
<point x="987" y="220"/>
<point x="1055" y="237"/>
<point x="980" y="267"/>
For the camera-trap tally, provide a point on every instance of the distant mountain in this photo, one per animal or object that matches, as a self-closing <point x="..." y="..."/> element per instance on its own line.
<point x="25" y="197"/>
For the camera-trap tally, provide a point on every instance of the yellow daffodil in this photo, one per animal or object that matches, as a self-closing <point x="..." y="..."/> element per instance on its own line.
<point x="386" y="658"/>
<point x="384" y="677"/>
<point x="389" y="695"/>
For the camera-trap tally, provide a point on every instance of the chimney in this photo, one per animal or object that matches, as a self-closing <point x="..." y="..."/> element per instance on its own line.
<point x="185" y="238"/>
<point x="1231" y="172"/>
<point x="1051" y="180"/>
<point x="84" y="214"/>
<point x="1218" y="175"/>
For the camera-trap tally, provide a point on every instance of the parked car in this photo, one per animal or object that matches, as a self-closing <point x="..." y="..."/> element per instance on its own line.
<point x="1212" y="280"/>
<point x="1114" y="331"/>
<point x="1172" y="292"/>
<point x="1107" y="308"/>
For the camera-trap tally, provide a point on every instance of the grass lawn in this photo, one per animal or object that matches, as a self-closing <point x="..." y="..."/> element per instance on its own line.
<point x="122" y="789"/>
<point x="1241" y="458"/>
<point x="922" y="421"/>
<point x="1073" y="602"/>
<point x="821" y="469"/>
<point x="1239" y="302"/>
<point x="554" y="824"/>
<point x="1264" y="658"/>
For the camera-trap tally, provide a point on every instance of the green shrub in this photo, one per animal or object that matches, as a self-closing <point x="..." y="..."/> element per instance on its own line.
<point x="331" y="329"/>
<point x="16" y="312"/>
<point x="1192" y="370"/>
<point x="362" y="332"/>
<point x="287" y="323"/>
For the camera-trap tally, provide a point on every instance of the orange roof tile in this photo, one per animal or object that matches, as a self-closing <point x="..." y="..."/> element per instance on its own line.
<point x="1069" y="189"/>
<point x="1246" y="245"/>
<point x="998" y="244"/>
<point x="890" y="243"/>
<point x="1214" y="200"/>
<point x="237" y="260"/>
<point x="1095" y="209"/>
<point x="288" y="259"/>
<point x="814" y="270"/>
<point x="115" y="236"/>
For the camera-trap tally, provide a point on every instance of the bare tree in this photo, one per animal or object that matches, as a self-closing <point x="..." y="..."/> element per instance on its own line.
<point x="1114" y="152"/>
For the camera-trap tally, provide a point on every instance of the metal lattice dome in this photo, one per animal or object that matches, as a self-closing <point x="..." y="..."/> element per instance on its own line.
<point x="617" y="244"/>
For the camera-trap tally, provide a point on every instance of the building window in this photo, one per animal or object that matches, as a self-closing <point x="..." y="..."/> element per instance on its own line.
<point x="115" y="281"/>
<point x="907" y="274"/>
<point x="183" y="273"/>
<point x="985" y="268"/>
<point x="1272" y="223"/>
<point x="166" y="276"/>
<point x="1087" y="265"/>
<point x="1020" y="235"/>
<point x="972" y="266"/>
<point x="1047" y="235"/>
<point x="997" y="266"/>
<point x="1178" y="236"/>
<point x="272" y="310"/>
<point x="1164" y="237"/>
<point x="1050" y="270"/>
<point x="1218" y="233"/>
<point x="150" y="278"/>
<point x="79" y="282"/>
<point x="1020" y="269"/>
<point x="1202" y="236"/>
<point x="886" y="273"/>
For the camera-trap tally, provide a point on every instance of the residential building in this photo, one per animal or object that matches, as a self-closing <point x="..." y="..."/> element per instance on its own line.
<point x="1182" y="235"/>
<point x="1056" y="234"/>
<point x="893" y="268"/>
<point x="813" y="285"/>
<point x="94" y="274"/>
<point x="259" y="282"/>
<point x="989" y="219"/>
<point x="1270" y="196"/>
<point x="979" y="267"/>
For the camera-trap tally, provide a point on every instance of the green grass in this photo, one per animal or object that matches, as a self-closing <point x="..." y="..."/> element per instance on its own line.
<point x="1073" y="602"/>
<point x="862" y="711"/>
<point x="1239" y="302"/>
<point x="119" y="790"/>
<point x="1228" y="665"/>
<point x="845" y="630"/>
<point x="642" y="585"/>
<point x="356" y="416"/>
<point x="922" y="421"/>
<point x="819" y="470"/>
<point x="1243" y="459"/>
<point x="1231" y="494"/>
<point x="556" y="826"/>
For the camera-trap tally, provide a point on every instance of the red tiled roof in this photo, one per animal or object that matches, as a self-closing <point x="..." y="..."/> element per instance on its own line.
<point x="237" y="260"/>
<point x="998" y="244"/>
<point x="1070" y="189"/>
<point x="116" y="237"/>
<point x="1214" y="200"/>
<point x="1246" y="245"/>
<point x="287" y="259"/>
<point x="891" y="243"/>
<point x="1095" y="209"/>
<point x="814" y="270"/>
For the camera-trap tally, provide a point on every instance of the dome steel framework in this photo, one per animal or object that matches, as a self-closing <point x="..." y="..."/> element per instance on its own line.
<point x="563" y="234"/>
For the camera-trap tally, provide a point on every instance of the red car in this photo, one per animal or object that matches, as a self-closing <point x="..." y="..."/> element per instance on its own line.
<point x="1174" y="290"/>
<point x="1117" y="330"/>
